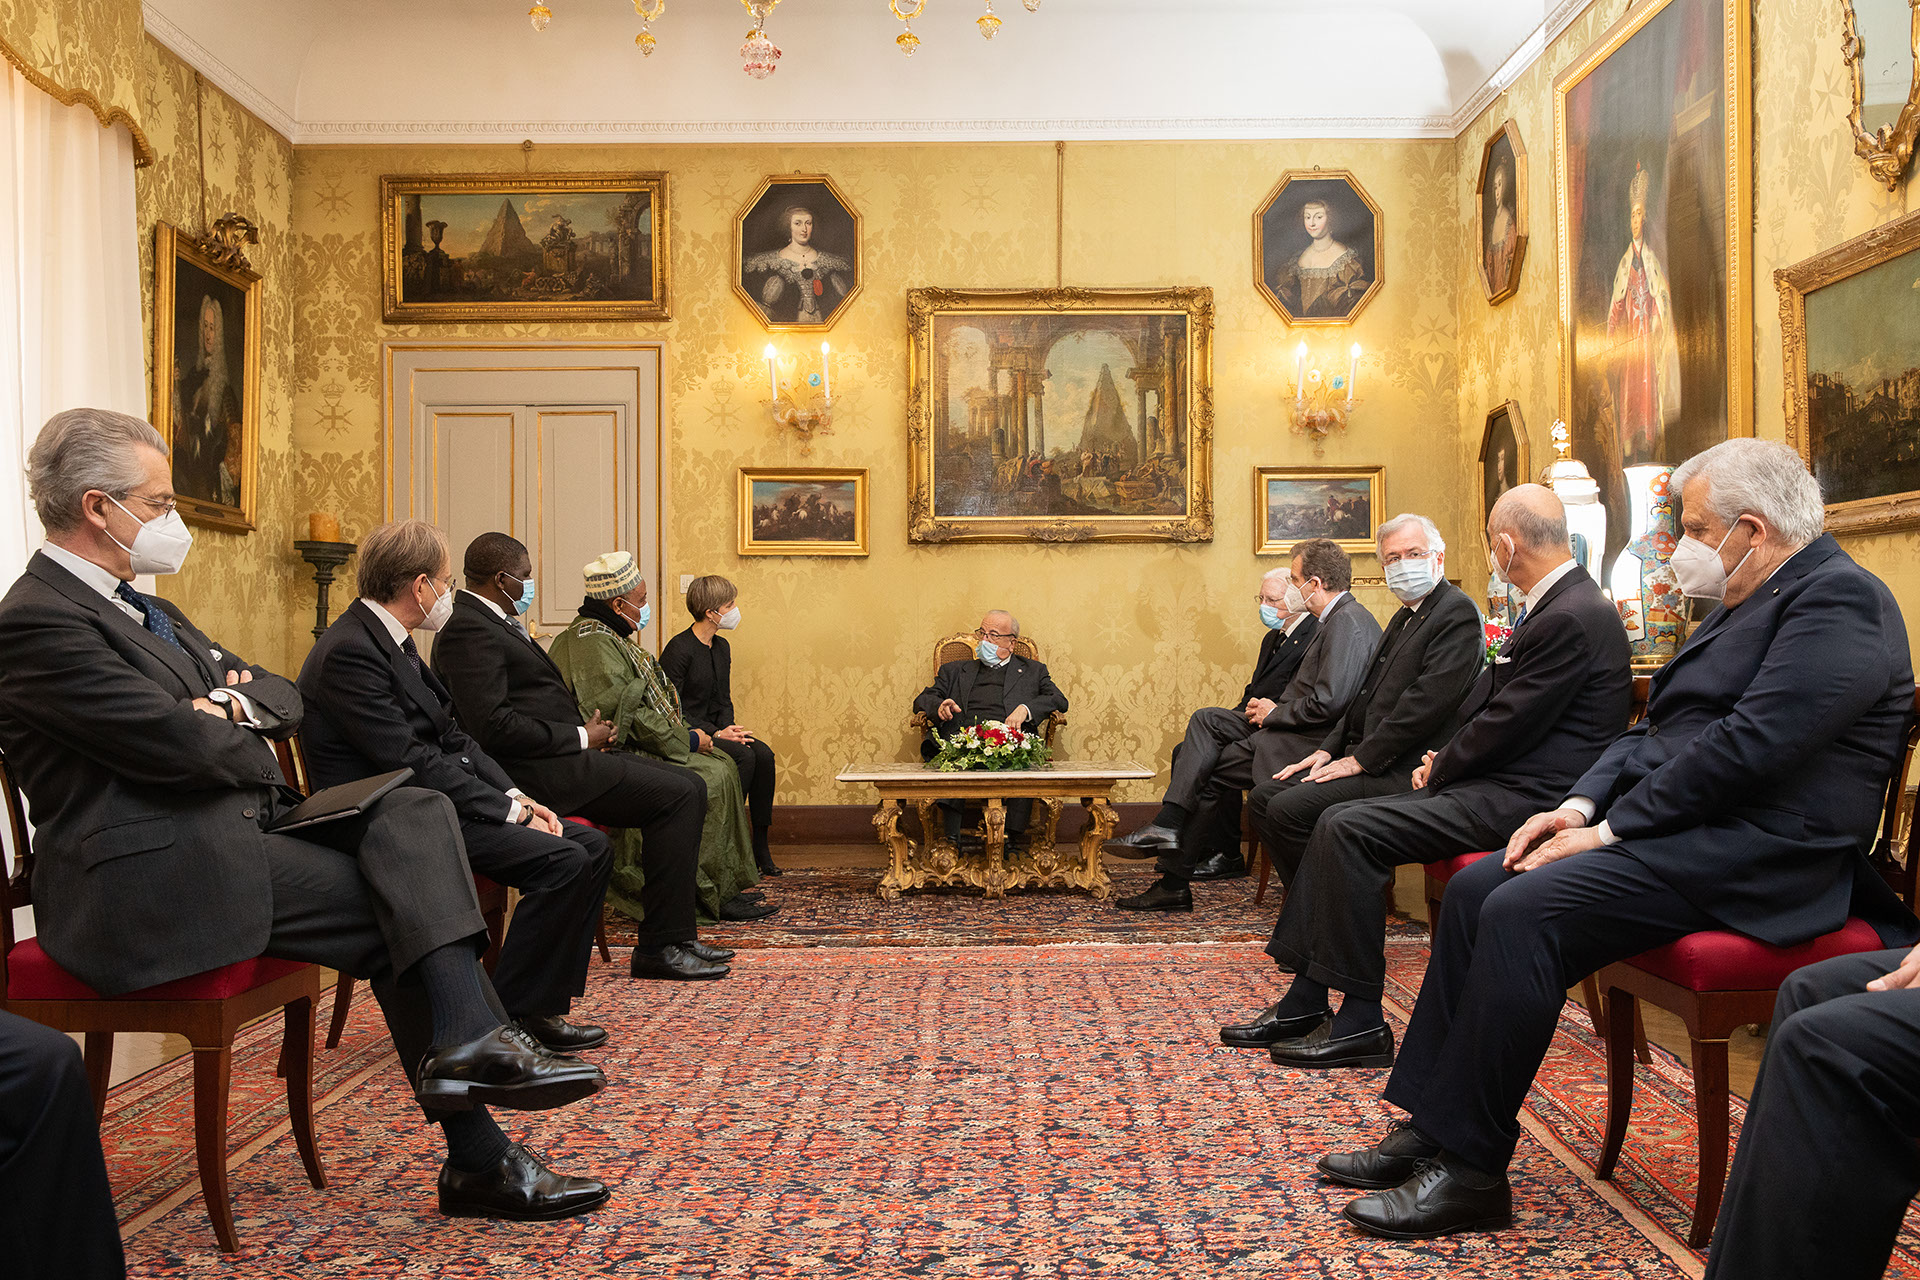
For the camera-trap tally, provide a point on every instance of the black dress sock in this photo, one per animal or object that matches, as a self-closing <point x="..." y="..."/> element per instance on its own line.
<point x="1305" y="996"/>
<point x="456" y="990"/>
<point x="1357" y="1015"/>
<point x="1170" y="815"/>
<point x="474" y="1140"/>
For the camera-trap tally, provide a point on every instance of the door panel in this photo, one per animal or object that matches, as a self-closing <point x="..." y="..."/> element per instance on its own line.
<point x="476" y="453"/>
<point x="579" y="510"/>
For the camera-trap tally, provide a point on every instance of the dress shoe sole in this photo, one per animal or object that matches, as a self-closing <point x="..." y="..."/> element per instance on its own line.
<point x="458" y="1210"/>
<point x="670" y="976"/>
<point x="1197" y="878"/>
<point x="1362" y="1183"/>
<point x="1175" y="908"/>
<point x="1291" y="1029"/>
<point x="1499" y="1222"/>
<point x="1333" y="1064"/>
<point x="543" y="1095"/>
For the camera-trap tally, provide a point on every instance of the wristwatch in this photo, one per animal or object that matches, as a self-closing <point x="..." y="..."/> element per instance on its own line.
<point x="224" y="700"/>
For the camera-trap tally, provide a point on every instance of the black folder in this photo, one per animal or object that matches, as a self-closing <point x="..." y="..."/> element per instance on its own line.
<point x="343" y="801"/>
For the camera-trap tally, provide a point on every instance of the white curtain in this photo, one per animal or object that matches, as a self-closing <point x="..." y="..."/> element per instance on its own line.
<point x="70" y="333"/>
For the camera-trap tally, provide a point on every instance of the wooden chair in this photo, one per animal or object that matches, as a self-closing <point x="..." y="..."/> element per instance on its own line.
<point x="1717" y="981"/>
<point x="208" y="1009"/>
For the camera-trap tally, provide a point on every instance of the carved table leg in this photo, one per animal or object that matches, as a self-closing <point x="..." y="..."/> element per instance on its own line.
<point x="886" y="823"/>
<point x="1101" y="820"/>
<point x="994" y="881"/>
<point x="1046" y="859"/>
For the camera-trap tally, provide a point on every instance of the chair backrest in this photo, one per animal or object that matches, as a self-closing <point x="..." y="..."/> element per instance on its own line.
<point x="961" y="644"/>
<point x="1642" y="691"/>
<point x="16" y="888"/>
<point x="293" y="764"/>
<point x="1893" y="852"/>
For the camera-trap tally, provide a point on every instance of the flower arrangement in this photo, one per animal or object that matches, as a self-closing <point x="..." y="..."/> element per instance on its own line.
<point x="989" y="746"/>
<point x="1496" y="637"/>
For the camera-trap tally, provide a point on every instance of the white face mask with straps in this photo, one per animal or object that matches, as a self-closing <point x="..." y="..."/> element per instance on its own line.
<point x="1697" y="567"/>
<point x="442" y="608"/>
<point x="162" y="544"/>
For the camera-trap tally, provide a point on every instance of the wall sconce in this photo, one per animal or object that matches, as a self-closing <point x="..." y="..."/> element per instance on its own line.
<point x="802" y="409"/>
<point x="1322" y="402"/>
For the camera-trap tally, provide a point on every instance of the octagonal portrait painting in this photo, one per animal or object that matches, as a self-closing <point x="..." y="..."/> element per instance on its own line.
<point x="797" y="252"/>
<point x="1317" y="247"/>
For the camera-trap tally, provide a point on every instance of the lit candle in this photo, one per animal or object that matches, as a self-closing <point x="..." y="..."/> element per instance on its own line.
<point x="1353" y="368"/>
<point x="826" y="373"/>
<point x="773" y="377"/>
<point x="1300" y="370"/>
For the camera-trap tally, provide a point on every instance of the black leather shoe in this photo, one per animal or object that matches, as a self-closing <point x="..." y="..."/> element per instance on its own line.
<point x="708" y="952"/>
<point x="562" y="1036"/>
<point x="1219" y="866"/>
<point x="1149" y="841"/>
<point x="674" y="963"/>
<point x="1387" y="1163"/>
<point x="504" y="1068"/>
<point x="1367" y="1049"/>
<point x="1158" y="898"/>
<point x="738" y="908"/>
<point x="1433" y="1202"/>
<point x="520" y="1187"/>
<point x="1268" y="1028"/>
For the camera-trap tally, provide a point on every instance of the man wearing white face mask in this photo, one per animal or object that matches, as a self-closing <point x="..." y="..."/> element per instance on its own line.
<point x="1746" y="799"/>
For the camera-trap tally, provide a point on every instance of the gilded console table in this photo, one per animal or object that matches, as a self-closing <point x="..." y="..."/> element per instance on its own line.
<point x="934" y="860"/>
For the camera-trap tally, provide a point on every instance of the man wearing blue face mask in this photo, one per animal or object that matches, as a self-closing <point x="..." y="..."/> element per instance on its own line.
<point x="995" y="684"/>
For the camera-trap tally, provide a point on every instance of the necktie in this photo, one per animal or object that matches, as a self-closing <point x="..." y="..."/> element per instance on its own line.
<point x="520" y="629"/>
<point x="157" y="620"/>
<point x="1522" y="617"/>
<point x="412" y="651"/>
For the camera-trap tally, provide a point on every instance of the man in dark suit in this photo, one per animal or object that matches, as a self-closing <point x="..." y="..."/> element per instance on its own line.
<point x="1290" y="628"/>
<point x="1316" y="696"/>
<point x="1745" y="799"/>
<point x="56" y="1209"/>
<point x="1536" y="719"/>
<point x="142" y="749"/>
<point x="995" y="684"/>
<point x="511" y="698"/>
<point x="373" y="706"/>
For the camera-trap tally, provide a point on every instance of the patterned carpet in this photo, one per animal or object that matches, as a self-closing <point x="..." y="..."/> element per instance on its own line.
<point x="839" y="908"/>
<point x="994" y="1111"/>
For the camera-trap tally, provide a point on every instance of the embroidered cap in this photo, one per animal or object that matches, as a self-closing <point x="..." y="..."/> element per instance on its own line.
<point x="610" y="575"/>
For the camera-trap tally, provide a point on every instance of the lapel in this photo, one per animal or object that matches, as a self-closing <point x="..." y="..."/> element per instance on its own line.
<point x="506" y="625"/>
<point x="191" y="677"/>
<point x="415" y="686"/>
<point x="1723" y="619"/>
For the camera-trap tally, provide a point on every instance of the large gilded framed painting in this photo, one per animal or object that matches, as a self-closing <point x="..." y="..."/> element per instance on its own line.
<point x="1317" y="251"/>
<point x="796" y="249"/>
<point x="1292" y="504"/>
<point x="1850" y="329"/>
<point x="206" y="380"/>
<point x="477" y="247"/>
<point x="1060" y="415"/>
<point x="1654" y="205"/>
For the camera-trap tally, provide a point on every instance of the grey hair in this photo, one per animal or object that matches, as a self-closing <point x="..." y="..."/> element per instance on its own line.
<point x="394" y="555"/>
<point x="1434" y="541"/>
<point x="1284" y="571"/>
<point x="1534" y="530"/>
<point x="79" y="450"/>
<point x="1011" y="620"/>
<point x="1758" y="477"/>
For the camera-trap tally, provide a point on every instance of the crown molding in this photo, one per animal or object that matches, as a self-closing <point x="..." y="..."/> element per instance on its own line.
<point x="1558" y="19"/>
<point x="222" y="76"/>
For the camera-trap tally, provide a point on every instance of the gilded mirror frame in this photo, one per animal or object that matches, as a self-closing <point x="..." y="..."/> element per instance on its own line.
<point x="1888" y="149"/>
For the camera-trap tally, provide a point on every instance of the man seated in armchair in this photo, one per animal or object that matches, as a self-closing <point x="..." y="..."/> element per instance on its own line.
<point x="995" y="684"/>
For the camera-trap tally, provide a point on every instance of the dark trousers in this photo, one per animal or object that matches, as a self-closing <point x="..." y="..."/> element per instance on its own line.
<point x="754" y="760"/>
<point x="1507" y="947"/>
<point x="56" y="1210"/>
<point x="562" y="881"/>
<point x="1210" y="730"/>
<point x="1333" y="925"/>
<point x="1019" y="812"/>
<point x="668" y="806"/>
<point x="371" y="895"/>
<point x="1286" y="812"/>
<point x="1829" y="1155"/>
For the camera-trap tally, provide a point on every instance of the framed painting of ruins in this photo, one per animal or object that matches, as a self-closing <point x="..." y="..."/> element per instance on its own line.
<point x="472" y="247"/>
<point x="1850" y="329"/>
<point x="1654" y="214"/>
<point x="1060" y="415"/>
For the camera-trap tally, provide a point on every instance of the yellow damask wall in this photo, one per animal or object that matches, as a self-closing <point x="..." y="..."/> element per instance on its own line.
<point x="247" y="590"/>
<point x="1810" y="193"/>
<point x="831" y="651"/>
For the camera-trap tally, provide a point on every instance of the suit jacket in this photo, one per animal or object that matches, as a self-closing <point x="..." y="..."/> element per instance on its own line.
<point x="147" y="814"/>
<point x="512" y="700"/>
<point x="1027" y="682"/>
<point x="1408" y="701"/>
<point x="1753" y="784"/>
<point x="368" y="712"/>
<point x="1314" y="699"/>
<point x="1280" y="656"/>
<point x="705" y="700"/>
<point x="1543" y="711"/>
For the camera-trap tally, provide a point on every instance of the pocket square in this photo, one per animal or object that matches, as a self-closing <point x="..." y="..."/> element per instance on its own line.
<point x="1498" y="660"/>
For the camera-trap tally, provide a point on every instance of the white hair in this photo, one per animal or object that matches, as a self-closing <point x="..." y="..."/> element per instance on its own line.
<point x="1758" y="477"/>
<point x="1284" y="571"/>
<point x="79" y="450"/>
<point x="1434" y="541"/>
<point x="1013" y="623"/>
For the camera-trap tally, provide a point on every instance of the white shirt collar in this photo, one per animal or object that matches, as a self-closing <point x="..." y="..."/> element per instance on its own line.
<point x="101" y="580"/>
<point x="498" y="612"/>
<point x="1329" y="605"/>
<point x="392" y="624"/>
<point x="1540" y="588"/>
<point x="1294" y="626"/>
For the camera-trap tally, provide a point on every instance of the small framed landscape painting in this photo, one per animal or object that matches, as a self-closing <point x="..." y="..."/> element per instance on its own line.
<point x="803" y="511"/>
<point x="1292" y="504"/>
<point x="206" y="380"/>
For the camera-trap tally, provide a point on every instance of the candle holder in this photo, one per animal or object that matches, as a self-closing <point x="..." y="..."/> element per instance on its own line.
<point x="815" y="415"/>
<point x="325" y="557"/>
<point x="1321" y="404"/>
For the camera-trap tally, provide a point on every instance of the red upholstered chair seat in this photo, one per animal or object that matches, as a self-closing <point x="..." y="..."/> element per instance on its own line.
<point x="1447" y="868"/>
<point x="1716" y="960"/>
<point x="32" y="974"/>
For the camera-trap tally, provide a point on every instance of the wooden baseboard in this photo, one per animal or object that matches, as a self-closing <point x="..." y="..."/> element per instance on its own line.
<point x="853" y="823"/>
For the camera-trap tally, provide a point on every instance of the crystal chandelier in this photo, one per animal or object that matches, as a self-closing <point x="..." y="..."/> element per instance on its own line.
<point x="648" y="15"/>
<point x="759" y="54"/>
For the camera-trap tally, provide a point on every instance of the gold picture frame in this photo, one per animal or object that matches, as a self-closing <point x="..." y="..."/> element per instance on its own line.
<point x="803" y="511"/>
<point x="196" y="408"/>
<point x="1889" y="148"/>
<point x="1352" y="214"/>
<point x="1496" y="476"/>
<point x="1501" y="278"/>
<point x="1276" y="531"/>
<point x="1871" y="274"/>
<point x="1135" y="364"/>
<point x="609" y="268"/>
<point x="835" y="226"/>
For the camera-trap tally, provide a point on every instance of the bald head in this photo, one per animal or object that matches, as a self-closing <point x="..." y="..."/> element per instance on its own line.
<point x="1527" y="535"/>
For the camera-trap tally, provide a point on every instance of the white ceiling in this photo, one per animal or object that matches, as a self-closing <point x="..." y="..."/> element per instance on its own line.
<point x="475" y="71"/>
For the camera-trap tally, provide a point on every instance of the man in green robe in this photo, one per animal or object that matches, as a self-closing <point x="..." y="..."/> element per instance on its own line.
<point x="608" y="671"/>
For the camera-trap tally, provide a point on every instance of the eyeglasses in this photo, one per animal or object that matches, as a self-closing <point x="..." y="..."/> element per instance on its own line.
<point x="1411" y="555"/>
<point x="165" y="506"/>
<point x="994" y="636"/>
<point x="1280" y="603"/>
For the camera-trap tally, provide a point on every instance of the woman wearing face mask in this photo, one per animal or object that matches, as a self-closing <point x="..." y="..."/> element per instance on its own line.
<point x="700" y="664"/>
<point x="607" y="668"/>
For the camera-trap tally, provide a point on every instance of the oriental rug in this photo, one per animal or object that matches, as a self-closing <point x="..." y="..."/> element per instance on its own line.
<point x="993" y="1111"/>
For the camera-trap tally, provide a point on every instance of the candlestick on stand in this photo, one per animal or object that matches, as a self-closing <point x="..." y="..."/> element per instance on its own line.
<point x="325" y="557"/>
